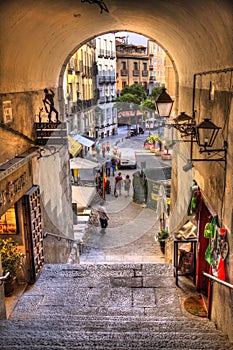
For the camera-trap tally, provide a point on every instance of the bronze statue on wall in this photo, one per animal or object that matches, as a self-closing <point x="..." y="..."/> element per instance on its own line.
<point x="49" y="101"/>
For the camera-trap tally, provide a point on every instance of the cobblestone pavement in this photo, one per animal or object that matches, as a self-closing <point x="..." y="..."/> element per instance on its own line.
<point x="130" y="235"/>
<point x="131" y="228"/>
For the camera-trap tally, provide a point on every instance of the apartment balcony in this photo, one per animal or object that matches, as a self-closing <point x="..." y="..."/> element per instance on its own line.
<point x="152" y="78"/>
<point x="80" y="65"/>
<point x="102" y="99"/>
<point x="101" y="53"/>
<point x="107" y="54"/>
<point x="112" y="55"/>
<point x="124" y="72"/>
<point x="95" y="69"/>
<point x="136" y="72"/>
<point x="72" y="65"/>
<point x="107" y="79"/>
<point x="145" y="73"/>
<point x="112" y="79"/>
<point x="101" y="79"/>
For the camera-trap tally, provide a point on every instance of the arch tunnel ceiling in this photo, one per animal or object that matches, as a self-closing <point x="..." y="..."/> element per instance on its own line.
<point x="37" y="37"/>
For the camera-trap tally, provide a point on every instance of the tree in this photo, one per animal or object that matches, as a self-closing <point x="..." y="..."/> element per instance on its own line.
<point x="137" y="90"/>
<point x="156" y="91"/>
<point x="148" y="105"/>
<point x="148" y="109"/>
<point x="128" y="98"/>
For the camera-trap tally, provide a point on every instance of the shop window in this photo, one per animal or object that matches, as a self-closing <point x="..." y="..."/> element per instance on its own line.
<point x="8" y="222"/>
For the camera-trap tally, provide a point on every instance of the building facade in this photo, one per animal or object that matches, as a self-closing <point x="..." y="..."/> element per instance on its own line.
<point x="132" y="65"/>
<point x="106" y="115"/>
<point x="156" y="65"/>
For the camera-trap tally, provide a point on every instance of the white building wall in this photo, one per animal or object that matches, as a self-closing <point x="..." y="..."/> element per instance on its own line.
<point x="106" y="83"/>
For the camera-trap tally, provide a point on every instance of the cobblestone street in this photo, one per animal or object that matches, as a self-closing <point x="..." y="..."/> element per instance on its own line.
<point x="130" y="235"/>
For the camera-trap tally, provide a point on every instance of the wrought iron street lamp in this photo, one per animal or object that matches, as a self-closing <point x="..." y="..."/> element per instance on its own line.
<point x="164" y="104"/>
<point x="206" y="133"/>
<point x="184" y="124"/>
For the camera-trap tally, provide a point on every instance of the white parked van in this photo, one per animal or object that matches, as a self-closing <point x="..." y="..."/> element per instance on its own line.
<point x="127" y="158"/>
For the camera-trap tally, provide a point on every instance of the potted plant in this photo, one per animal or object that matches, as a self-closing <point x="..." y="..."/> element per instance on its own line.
<point x="161" y="237"/>
<point x="12" y="259"/>
<point x="166" y="155"/>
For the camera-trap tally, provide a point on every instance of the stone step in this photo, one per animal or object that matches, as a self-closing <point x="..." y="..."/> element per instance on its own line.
<point x="116" y="323"/>
<point x="106" y="307"/>
<point x="52" y="336"/>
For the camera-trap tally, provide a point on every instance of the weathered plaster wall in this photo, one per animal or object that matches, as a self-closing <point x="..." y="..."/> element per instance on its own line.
<point x="53" y="176"/>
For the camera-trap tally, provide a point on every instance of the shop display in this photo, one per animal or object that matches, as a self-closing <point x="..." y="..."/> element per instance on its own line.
<point x="217" y="249"/>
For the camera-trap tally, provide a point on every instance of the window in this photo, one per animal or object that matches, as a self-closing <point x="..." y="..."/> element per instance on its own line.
<point x="144" y="66"/>
<point x="8" y="222"/>
<point x="124" y="65"/>
<point x="135" y="65"/>
<point x="123" y="84"/>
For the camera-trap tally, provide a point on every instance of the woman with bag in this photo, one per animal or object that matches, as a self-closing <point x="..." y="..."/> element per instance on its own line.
<point x="103" y="216"/>
<point x="118" y="185"/>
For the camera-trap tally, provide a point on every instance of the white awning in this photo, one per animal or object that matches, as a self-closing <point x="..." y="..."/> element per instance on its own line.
<point x="83" y="140"/>
<point x="74" y="147"/>
<point x="81" y="163"/>
<point x="83" y="196"/>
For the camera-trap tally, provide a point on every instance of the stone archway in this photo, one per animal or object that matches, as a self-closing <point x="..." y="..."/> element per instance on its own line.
<point x="38" y="37"/>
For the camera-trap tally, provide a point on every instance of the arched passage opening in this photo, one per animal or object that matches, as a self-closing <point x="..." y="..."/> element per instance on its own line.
<point x="63" y="68"/>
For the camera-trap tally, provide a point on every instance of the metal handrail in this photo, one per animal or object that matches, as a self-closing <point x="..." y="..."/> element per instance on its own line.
<point x="4" y="278"/>
<point x="226" y="284"/>
<point x="45" y="234"/>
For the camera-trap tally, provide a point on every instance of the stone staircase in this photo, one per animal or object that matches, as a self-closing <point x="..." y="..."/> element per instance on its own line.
<point x="105" y="307"/>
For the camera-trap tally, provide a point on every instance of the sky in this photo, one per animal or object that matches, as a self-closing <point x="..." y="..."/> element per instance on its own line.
<point x="134" y="38"/>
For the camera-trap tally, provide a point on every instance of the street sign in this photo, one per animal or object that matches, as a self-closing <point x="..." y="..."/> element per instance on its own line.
<point x="51" y="133"/>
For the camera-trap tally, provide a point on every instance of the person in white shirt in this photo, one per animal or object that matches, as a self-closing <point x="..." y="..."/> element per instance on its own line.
<point x="103" y="216"/>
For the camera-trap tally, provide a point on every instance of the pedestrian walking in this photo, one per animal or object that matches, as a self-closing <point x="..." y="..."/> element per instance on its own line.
<point x="98" y="181"/>
<point x="108" y="187"/>
<point x="103" y="150"/>
<point x="118" y="185"/>
<point x="127" y="183"/>
<point x="98" y="148"/>
<point x="108" y="165"/>
<point x="108" y="146"/>
<point x="114" y="164"/>
<point x="103" y="216"/>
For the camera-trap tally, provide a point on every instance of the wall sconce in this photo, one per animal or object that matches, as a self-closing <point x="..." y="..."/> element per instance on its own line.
<point x="184" y="124"/>
<point x="204" y="134"/>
